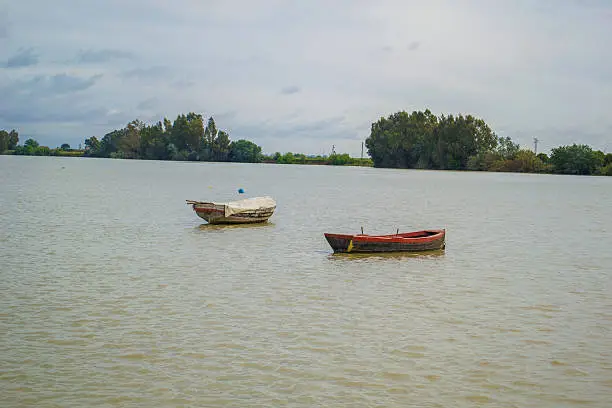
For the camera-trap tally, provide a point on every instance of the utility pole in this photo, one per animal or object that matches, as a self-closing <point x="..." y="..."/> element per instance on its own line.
<point x="535" y="144"/>
<point x="361" y="151"/>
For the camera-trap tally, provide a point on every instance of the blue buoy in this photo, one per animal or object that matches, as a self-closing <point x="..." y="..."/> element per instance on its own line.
<point x="240" y="191"/>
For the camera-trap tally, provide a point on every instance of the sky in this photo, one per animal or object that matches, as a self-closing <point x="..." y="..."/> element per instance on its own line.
<point x="303" y="76"/>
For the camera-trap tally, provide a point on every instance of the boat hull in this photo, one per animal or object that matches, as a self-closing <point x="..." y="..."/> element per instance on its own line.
<point x="418" y="241"/>
<point x="215" y="214"/>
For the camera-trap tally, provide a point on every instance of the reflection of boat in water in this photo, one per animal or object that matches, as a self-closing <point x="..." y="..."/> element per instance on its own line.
<point x="226" y="227"/>
<point x="379" y="256"/>
<point x="417" y="241"/>
<point x="247" y="211"/>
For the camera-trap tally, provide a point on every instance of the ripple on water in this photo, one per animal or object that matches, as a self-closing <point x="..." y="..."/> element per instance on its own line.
<point x="107" y="301"/>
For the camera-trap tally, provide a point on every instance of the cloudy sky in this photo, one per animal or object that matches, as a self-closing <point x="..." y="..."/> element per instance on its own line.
<point x="302" y="76"/>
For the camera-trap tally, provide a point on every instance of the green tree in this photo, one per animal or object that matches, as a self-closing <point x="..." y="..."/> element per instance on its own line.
<point x="42" y="151"/>
<point x="31" y="144"/>
<point x="210" y="133"/>
<point x="299" y="158"/>
<point x="8" y="140"/>
<point x="31" y="148"/>
<point x="483" y="161"/>
<point x="13" y="139"/>
<point x="287" y="158"/>
<point x="180" y="132"/>
<point x="4" y="140"/>
<point x="506" y="148"/>
<point x="221" y="146"/>
<point x="65" y="147"/>
<point x="527" y="162"/>
<point x="183" y="139"/>
<point x="195" y="131"/>
<point x="92" y="146"/>
<point x="245" y="151"/>
<point x="175" y="154"/>
<point x="154" y="142"/>
<point x="403" y="140"/>
<point x="606" y="170"/>
<point x="339" y="159"/>
<point x="421" y="140"/>
<point x="458" y="138"/>
<point x="575" y="159"/>
<point x="129" y="142"/>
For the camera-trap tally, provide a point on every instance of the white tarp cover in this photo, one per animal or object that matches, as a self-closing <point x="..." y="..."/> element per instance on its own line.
<point x="235" y="207"/>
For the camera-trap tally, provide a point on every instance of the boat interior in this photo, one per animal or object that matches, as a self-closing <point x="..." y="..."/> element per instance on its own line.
<point x="418" y="234"/>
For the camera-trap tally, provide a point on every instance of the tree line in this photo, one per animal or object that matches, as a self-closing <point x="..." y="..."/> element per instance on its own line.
<point x="334" y="159"/>
<point x="188" y="137"/>
<point x="9" y="144"/>
<point x="418" y="140"/>
<point x="421" y="140"/>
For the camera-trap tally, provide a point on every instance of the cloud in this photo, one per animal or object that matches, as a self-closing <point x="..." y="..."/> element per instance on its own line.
<point x="285" y="134"/>
<point x="4" y="24"/>
<point x="289" y="90"/>
<point x="58" y="102"/>
<point x="225" y="117"/>
<point x="51" y="115"/>
<point x="524" y="67"/>
<point x="183" y="83"/>
<point x="147" y="104"/>
<point x="54" y="108"/>
<point x="23" y="58"/>
<point x="50" y="105"/>
<point x="105" y="55"/>
<point x="147" y="73"/>
<point x="298" y="137"/>
<point x="57" y="84"/>
<point x="316" y="126"/>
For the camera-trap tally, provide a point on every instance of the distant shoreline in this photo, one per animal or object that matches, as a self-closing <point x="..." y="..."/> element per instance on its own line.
<point x="81" y="153"/>
<point x="314" y="161"/>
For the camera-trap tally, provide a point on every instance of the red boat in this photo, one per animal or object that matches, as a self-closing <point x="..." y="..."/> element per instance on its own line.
<point x="418" y="241"/>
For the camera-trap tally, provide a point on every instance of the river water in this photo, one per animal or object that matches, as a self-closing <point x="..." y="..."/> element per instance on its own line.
<point x="114" y="293"/>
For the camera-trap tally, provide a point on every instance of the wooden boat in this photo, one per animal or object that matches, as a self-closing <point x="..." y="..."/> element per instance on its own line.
<point x="417" y="241"/>
<point x="250" y="210"/>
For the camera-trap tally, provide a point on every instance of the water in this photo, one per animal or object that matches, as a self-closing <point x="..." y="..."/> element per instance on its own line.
<point x="114" y="293"/>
